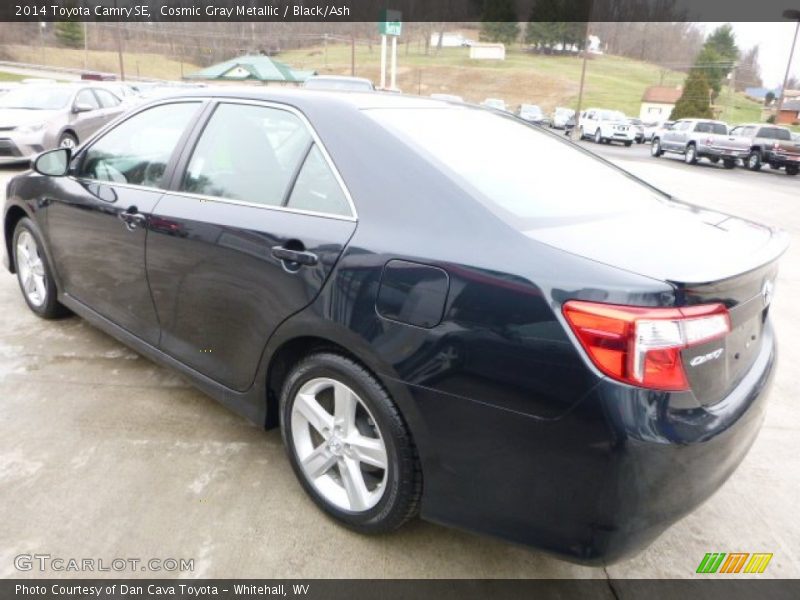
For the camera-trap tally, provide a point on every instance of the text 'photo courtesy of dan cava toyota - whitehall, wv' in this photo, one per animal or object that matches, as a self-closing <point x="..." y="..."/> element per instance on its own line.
<point x="495" y="297"/>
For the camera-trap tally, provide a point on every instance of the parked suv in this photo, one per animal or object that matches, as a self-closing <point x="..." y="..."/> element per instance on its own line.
<point x="769" y="144"/>
<point x="700" y="138"/>
<point x="606" y="126"/>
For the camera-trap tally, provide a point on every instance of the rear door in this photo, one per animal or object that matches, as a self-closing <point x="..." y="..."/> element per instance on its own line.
<point x="253" y="225"/>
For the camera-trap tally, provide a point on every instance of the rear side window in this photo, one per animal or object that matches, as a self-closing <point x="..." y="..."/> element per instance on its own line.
<point x="248" y="153"/>
<point x="710" y="127"/>
<point x="528" y="177"/>
<point x="138" y="149"/>
<point x="774" y="133"/>
<point x="317" y="188"/>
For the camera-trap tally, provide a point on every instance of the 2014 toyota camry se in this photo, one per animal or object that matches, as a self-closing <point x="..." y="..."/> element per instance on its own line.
<point x="446" y="310"/>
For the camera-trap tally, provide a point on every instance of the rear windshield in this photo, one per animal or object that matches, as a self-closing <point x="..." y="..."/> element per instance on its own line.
<point x="711" y="127"/>
<point x="526" y="175"/>
<point x="775" y="133"/>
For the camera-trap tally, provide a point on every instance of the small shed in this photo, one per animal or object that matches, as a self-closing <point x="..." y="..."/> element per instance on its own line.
<point x="251" y="68"/>
<point x="487" y="51"/>
<point x="658" y="102"/>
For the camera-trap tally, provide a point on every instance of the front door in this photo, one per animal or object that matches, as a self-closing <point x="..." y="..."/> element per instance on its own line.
<point x="97" y="221"/>
<point x="247" y="237"/>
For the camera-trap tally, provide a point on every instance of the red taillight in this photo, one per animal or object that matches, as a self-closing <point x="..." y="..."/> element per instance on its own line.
<point x="640" y="345"/>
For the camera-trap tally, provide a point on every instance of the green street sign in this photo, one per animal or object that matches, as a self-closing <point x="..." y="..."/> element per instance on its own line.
<point x="390" y="23"/>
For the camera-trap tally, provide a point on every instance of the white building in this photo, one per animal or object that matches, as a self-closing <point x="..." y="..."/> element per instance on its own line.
<point x="658" y="102"/>
<point x="487" y="51"/>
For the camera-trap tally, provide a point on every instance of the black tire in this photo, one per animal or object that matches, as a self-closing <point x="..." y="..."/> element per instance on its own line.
<point x="628" y="144"/>
<point x="714" y="159"/>
<point x="67" y="140"/>
<point x="598" y="138"/>
<point x="49" y="308"/>
<point x="729" y="163"/>
<point x="655" y="148"/>
<point x="792" y="170"/>
<point x="754" y="160"/>
<point x="690" y="156"/>
<point x="403" y="487"/>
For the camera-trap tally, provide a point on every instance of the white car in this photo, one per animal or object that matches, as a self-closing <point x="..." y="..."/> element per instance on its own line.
<point x="607" y="126"/>
<point x="561" y="117"/>
<point x="495" y="103"/>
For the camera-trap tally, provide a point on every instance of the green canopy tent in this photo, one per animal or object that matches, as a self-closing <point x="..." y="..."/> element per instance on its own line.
<point x="251" y="68"/>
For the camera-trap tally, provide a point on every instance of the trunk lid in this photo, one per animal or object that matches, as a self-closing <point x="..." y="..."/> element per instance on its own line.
<point x="708" y="257"/>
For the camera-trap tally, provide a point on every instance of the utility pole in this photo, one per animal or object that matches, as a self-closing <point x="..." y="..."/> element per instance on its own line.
<point x="85" y="46"/>
<point x="794" y="15"/>
<point x="583" y="79"/>
<point x="353" y="55"/>
<point x="119" y="49"/>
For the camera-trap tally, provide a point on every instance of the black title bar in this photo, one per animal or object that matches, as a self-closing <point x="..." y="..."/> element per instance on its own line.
<point x="411" y="10"/>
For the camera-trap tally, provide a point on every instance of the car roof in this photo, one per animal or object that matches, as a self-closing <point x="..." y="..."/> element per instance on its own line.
<point x="302" y="96"/>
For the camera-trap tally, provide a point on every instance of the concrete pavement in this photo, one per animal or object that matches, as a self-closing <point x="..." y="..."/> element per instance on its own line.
<point x="103" y="454"/>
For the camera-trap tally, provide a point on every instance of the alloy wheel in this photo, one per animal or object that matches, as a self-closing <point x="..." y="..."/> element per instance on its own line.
<point x="31" y="269"/>
<point x="338" y="444"/>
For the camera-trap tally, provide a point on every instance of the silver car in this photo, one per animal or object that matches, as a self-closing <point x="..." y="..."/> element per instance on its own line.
<point x="40" y="117"/>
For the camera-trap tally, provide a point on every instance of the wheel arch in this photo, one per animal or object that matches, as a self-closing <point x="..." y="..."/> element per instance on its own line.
<point x="13" y="216"/>
<point x="68" y="129"/>
<point x="291" y="344"/>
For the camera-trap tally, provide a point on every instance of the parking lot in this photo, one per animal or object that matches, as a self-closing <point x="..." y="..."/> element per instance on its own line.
<point x="105" y="455"/>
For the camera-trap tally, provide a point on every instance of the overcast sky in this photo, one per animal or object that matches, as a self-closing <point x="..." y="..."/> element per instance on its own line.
<point x="774" y="40"/>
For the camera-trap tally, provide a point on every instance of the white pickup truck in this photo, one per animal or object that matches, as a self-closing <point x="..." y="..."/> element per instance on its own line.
<point x="607" y="126"/>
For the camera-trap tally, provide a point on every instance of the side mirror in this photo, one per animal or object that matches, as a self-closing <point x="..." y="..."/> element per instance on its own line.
<point x="53" y="163"/>
<point x="82" y="108"/>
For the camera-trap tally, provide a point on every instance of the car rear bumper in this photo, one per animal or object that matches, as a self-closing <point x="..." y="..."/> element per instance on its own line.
<point x="781" y="159"/>
<point x="731" y="153"/>
<point x="598" y="484"/>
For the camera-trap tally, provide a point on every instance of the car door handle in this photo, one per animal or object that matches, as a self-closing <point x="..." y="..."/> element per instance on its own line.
<point x="302" y="257"/>
<point x="132" y="218"/>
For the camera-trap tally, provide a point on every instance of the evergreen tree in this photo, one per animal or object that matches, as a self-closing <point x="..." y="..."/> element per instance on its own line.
<point x="695" y="101"/>
<point x="69" y="33"/>
<point x="499" y="22"/>
<point x="718" y="56"/>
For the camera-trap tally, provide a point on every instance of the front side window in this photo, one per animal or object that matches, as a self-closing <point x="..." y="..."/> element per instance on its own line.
<point x="138" y="149"/>
<point x="86" y="98"/>
<point x="248" y="153"/>
<point x="107" y="99"/>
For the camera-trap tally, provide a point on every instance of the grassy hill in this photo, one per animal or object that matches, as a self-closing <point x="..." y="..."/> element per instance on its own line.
<point x="611" y="81"/>
<point x="137" y="64"/>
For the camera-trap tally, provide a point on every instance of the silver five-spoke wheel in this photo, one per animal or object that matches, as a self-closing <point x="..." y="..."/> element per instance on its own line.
<point x="339" y="445"/>
<point x="31" y="269"/>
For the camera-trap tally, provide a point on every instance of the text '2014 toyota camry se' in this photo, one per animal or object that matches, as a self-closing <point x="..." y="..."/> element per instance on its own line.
<point x="444" y="309"/>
